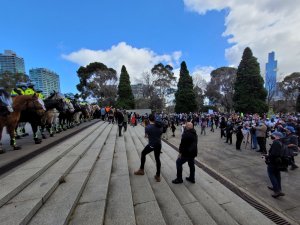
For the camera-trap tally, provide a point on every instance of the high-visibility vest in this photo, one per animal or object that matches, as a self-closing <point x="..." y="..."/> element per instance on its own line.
<point x="40" y="96"/>
<point x="17" y="91"/>
<point x="29" y="91"/>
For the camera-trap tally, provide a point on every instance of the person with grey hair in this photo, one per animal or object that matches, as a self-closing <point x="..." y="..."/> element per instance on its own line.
<point x="188" y="150"/>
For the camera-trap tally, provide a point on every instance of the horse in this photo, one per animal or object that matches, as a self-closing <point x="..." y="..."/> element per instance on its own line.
<point x="66" y="118"/>
<point x="55" y="104"/>
<point x="95" y="111"/>
<point x="77" y="112"/>
<point x="27" y="108"/>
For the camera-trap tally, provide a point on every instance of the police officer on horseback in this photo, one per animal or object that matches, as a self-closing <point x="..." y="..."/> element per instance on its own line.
<point x="19" y="90"/>
<point x="30" y="89"/>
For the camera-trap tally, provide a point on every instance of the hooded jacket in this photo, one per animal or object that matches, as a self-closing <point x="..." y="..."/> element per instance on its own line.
<point x="188" y="145"/>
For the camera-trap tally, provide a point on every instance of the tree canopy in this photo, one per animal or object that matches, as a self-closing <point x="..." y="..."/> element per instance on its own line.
<point x="97" y="80"/>
<point x="125" y="96"/>
<point x="221" y="87"/>
<point x="249" y="92"/>
<point x="185" y="96"/>
<point x="9" y="80"/>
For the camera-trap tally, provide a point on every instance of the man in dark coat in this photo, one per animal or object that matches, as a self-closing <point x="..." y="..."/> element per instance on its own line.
<point x="120" y="119"/>
<point x="188" y="150"/>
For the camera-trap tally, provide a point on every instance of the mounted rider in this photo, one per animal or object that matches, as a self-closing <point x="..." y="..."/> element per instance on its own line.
<point x="19" y="90"/>
<point x="40" y="94"/>
<point x="30" y="89"/>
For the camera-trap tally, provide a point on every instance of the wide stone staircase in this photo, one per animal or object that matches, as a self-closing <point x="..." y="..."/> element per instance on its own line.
<point x="88" y="179"/>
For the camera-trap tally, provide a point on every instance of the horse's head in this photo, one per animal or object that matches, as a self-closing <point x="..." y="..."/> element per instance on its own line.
<point x="5" y="103"/>
<point x="56" y="100"/>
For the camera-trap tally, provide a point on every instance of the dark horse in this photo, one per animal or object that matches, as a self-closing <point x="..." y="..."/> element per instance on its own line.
<point x="55" y="104"/>
<point x="27" y="108"/>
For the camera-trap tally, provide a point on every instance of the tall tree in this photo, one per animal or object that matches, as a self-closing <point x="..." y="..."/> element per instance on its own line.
<point x="9" y="80"/>
<point x="164" y="79"/>
<point x="250" y="94"/>
<point x="185" y="96"/>
<point x="290" y="88"/>
<point x="199" y="97"/>
<point x="97" y="80"/>
<point x="221" y="87"/>
<point x="298" y="102"/>
<point x="125" y="96"/>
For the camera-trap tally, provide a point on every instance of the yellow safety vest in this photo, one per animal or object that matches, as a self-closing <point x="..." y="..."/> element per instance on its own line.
<point x="14" y="93"/>
<point x="40" y="96"/>
<point x="29" y="91"/>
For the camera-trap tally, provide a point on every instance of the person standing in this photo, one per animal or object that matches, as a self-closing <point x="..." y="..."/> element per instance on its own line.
<point x="229" y="131"/>
<point x="125" y="121"/>
<point x="120" y="120"/>
<point x="292" y="143"/>
<point x="153" y="132"/>
<point x="261" y="131"/>
<point x="188" y="150"/>
<point x="271" y="159"/>
<point x="223" y="127"/>
<point x="239" y="137"/>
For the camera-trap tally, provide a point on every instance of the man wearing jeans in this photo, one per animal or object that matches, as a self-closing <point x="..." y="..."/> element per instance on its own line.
<point x="187" y="152"/>
<point x="153" y="132"/>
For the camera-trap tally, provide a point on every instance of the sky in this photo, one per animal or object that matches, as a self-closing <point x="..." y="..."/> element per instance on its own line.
<point x="206" y="34"/>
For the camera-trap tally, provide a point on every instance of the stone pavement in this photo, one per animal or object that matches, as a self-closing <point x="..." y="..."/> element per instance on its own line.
<point x="11" y="158"/>
<point x="88" y="179"/>
<point x="247" y="170"/>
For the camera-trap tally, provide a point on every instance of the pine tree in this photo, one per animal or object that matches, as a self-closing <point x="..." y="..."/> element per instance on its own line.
<point x="185" y="96"/>
<point x="125" y="96"/>
<point x="249" y="92"/>
<point x="298" y="102"/>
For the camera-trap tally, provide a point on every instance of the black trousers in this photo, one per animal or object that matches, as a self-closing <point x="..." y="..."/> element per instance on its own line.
<point x="262" y="144"/>
<point x="180" y="161"/>
<point x="120" y="129"/>
<point x="238" y="142"/>
<point x="125" y="126"/>
<point x="229" y="138"/>
<point x="146" y="151"/>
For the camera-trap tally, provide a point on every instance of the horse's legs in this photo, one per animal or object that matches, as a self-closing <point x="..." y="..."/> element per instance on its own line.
<point x="1" y="149"/>
<point x="34" y="127"/>
<point x="11" y="131"/>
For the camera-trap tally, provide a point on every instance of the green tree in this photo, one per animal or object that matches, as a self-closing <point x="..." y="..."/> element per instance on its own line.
<point x="298" y="102"/>
<point x="9" y="80"/>
<point x="185" y="96"/>
<point x="250" y="94"/>
<point x="97" y="80"/>
<point x="290" y="87"/>
<point x="125" y="96"/>
<point x="164" y="79"/>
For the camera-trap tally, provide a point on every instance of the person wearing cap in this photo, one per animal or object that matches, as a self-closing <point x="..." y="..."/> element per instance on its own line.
<point x="273" y="170"/>
<point x="188" y="150"/>
<point x="292" y="143"/>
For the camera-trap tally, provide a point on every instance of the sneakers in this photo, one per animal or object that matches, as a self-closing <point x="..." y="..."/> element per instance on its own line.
<point x="139" y="172"/>
<point x="177" y="181"/>
<point x="157" y="178"/>
<point x="190" y="180"/>
<point x="276" y="195"/>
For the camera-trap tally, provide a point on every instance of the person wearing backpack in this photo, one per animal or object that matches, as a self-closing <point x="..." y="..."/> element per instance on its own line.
<point x="292" y="143"/>
<point x="187" y="152"/>
<point x="273" y="169"/>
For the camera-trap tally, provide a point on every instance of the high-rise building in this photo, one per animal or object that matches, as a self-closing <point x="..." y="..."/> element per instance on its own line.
<point x="10" y="62"/>
<point x="45" y="80"/>
<point x="271" y="71"/>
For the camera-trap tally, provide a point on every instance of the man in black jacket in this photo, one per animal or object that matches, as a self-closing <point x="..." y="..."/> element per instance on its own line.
<point x="187" y="152"/>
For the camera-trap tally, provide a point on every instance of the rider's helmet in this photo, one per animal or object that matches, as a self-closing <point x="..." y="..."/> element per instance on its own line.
<point x="30" y="84"/>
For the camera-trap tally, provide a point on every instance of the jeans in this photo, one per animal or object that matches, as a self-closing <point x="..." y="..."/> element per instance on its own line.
<point x="146" y="151"/>
<point x="254" y="141"/>
<point x="275" y="178"/>
<point x="180" y="161"/>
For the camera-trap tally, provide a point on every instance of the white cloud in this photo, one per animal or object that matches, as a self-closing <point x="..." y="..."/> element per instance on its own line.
<point x="263" y="25"/>
<point x="136" y="60"/>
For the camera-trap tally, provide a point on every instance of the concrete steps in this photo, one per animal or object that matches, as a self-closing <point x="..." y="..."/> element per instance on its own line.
<point x="89" y="179"/>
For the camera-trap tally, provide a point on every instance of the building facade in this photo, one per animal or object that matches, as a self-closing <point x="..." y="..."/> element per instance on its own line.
<point x="271" y="71"/>
<point x="45" y="80"/>
<point x="10" y="62"/>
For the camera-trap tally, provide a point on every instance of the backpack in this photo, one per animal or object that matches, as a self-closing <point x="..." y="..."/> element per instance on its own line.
<point x="284" y="160"/>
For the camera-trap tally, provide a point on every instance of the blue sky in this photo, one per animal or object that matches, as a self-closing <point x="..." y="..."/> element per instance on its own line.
<point x="62" y="35"/>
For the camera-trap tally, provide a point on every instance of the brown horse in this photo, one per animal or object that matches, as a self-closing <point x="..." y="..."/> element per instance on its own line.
<point x="30" y="104"/>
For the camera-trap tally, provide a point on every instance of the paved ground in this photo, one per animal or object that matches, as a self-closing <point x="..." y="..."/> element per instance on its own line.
<point x="247" y="169"/>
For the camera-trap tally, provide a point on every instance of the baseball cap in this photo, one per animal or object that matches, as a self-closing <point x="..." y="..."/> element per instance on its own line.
<point x="291" y="129"/>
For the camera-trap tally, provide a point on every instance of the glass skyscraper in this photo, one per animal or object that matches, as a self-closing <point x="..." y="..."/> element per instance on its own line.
<point x="10" y="62"/>
<point x="271" y="71"/>
<point x="45" y="80"/>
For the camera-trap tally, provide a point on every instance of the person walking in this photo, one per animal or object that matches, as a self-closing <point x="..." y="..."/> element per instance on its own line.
<point x="120" y="120"/>
<point x="125" y="121"/>
<point x="223" y="127"/>
<point x="153" y="132"/>
<point x="239" y="137"/>
<point x="188" y="150"/>
<point x="229" y="131"/>
<point x="203" y="126"/>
